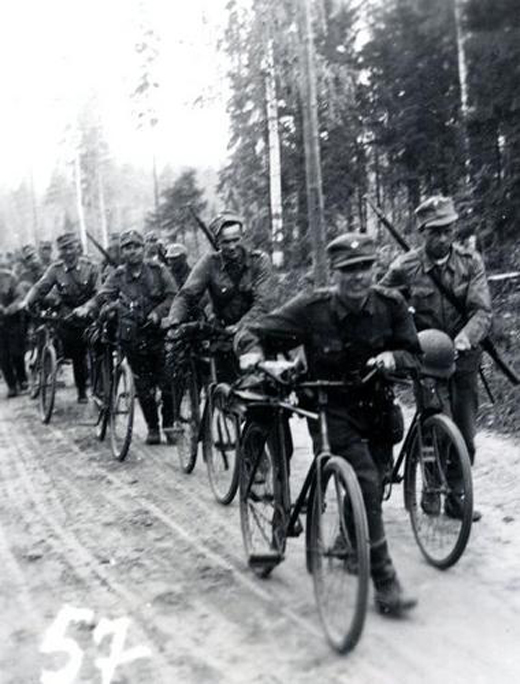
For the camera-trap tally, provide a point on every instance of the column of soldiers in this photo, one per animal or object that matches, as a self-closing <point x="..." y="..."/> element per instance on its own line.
<point x="344" y="327"/>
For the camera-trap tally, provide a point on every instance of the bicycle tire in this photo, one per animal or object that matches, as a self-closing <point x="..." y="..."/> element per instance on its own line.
<point x="440" y="537"/>
<point x="122" y="403"/>
<point x="187" y="421"/>
<point x="220" y="450"/>
<point x="48" y="374"/>
<point x="102" y="394"/>
<point x="33" y="372"/>
<point x="262" y="514"/>
<point x="340" y="569"/>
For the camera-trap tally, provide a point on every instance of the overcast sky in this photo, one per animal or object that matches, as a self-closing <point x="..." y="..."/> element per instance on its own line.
<point x="53" y="53"/>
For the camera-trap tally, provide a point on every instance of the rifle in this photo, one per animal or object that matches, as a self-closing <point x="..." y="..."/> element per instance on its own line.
<point x="487" y="343"/>
<point x="101" y="249"/>
<point x="207" y="232"/>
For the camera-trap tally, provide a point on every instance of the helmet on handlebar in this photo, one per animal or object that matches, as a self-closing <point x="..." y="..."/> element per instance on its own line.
<point x="439" y="353"/>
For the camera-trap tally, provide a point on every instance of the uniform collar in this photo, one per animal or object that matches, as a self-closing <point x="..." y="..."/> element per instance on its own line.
<point x="76" y="267"/>
<point x="244" y="264"/>
<point x="429" y="264"/>
<point x="343" y="311"/>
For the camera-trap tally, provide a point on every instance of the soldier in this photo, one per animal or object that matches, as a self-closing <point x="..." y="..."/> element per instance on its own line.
<point x="177" y="260"/>
<point x="239" y="281"/>
<point x="74" y="279"/>
<point x="462" y="272"/>
<point x="145" y="291"/>
<point x="30" y="268"/>
<point x="154" y="248"/>
<point x="344" y="329"/>
<point x="45" y="253"/>
<point x="12" y="343"/>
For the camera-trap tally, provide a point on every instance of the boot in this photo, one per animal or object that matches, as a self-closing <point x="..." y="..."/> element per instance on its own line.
<point x="82" y="396"/>
<point x="391" y="600"/>
<point x="453" y="508"/>
<point x="153" y="436"/>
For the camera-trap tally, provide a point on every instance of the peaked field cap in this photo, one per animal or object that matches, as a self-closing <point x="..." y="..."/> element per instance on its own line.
<point x="66" y="240"/>
<point x="151" y="236"/>
<point x="225" y="218"/>
<point x="28" y="251"/>
<point x="436" y="211"/>
<point x="47" y="244"/>
<point x="176" y="249"/>
<point x="351" y="248"/>
<point x="130" y="237"/>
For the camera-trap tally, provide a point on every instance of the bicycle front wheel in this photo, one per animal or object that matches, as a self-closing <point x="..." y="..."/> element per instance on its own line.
<point x="33" y="372"/>
<point x="122" y="406"/>
<point x="48" y="373"/>
<point x="219" y="445"/>
<point x="262" y="515"/>
<point x="339" y="554"/>
<point x="187" y="421"/>
<point x="439" y="490"/>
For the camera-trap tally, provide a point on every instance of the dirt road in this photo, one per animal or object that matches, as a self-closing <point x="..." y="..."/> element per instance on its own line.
<point x="131" y="573"/>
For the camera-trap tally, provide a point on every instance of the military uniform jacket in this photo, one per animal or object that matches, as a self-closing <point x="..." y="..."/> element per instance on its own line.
<point x="150" y="290"/>
<point x="74" y="285"/>
<point x="463" y="274"/>
<point x="235" y="297"/>
<point x="337" y="341"/>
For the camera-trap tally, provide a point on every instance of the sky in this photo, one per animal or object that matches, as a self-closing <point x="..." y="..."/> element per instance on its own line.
<point x="54" y="54"/>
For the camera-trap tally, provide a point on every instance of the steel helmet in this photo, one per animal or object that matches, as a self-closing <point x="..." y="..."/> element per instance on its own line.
<point x="438" y="353"/>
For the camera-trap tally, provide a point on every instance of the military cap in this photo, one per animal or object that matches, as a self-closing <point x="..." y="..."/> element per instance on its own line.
<point x="151" y="236"/>
<point x="28" y="251"/>
<point x="113" y="238"/>
<point x="176" y="249"/>
<point x="436" y="211"/>
<point x="131" y="237"/>
<point x="223" y="219"/>
<point x="66" y="240"/>
<point x="351" y="248"/>
<point x="45" y="244"/>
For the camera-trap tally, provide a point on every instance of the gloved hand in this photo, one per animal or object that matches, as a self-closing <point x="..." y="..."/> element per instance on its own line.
<point x="249" y="360"/>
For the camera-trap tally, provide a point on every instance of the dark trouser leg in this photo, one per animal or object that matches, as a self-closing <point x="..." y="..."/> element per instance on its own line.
<point x="165" y="386"/>
<point x="347" y="443"/>
<point x="75" y="349"/>
<point x="464" y="406"/>
<point x="6" y="363"/>
<point x="142" y="368"/>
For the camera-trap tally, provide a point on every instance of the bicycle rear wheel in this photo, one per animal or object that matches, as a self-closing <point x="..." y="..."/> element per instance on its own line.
<point x="262" y="515"/>
<point x="48" y="373"/>
<point x="219" y="445"/>
<point x="439" y="490"/>
<point x="339" y="554"/>
<point x="122" y="407"/>
<point x="187" y="421"/>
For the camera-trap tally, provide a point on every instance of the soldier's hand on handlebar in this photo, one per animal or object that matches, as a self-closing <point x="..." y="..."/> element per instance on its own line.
<point x="250" y="360"/>
<point x="462" y="343"/>
<point x="154" y="318"/>
<point x="385" y="361"/>
<point x="81" y="311"/>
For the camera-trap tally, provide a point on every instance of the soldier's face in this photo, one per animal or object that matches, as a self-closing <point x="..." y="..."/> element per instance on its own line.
<point x="45" y="254"/>
<point x="70" y="254"/>
<point x="354" y="280"/>
<point x="133" y="253"/>
<point x="438" y="240"/>
<point x="230" y="241"/>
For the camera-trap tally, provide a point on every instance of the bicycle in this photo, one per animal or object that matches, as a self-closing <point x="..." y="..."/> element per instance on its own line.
<point x="201" y="412"/>
<point x="435" y="467"/>
<point x="45" y="360"/>
<point x="113" y="389"/>
<point x="336" y="533"/>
